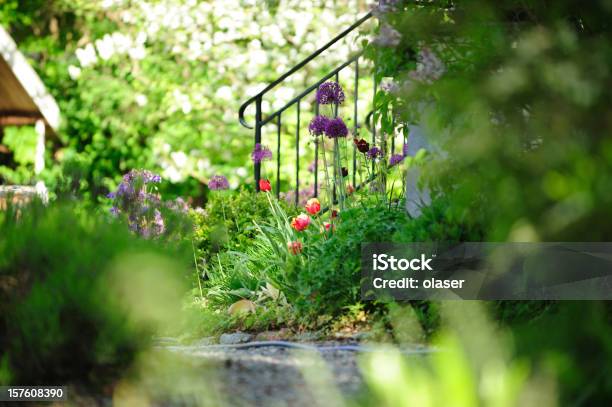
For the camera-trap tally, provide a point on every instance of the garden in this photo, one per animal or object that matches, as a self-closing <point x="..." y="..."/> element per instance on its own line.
<point x="195" y="229"/>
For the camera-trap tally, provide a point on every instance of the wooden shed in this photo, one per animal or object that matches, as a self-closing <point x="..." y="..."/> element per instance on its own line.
<point x="24" y="100"/>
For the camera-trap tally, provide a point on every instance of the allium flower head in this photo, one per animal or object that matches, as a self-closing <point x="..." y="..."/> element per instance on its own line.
<point x="396" y="159"/>
<point x="218" y="183"/>
<point x="336" y="128"/>
<point x="261" y="153"/>
<point x="374" y="153"/>
<point x="317" y="125"/>
<point x="330" y="93"/>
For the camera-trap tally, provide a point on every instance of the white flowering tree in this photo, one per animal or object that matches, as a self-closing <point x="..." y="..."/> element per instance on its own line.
<point x="159" y="83"/>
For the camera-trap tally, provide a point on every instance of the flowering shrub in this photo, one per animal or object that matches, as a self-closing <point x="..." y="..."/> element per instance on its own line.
<point x="137" y="201"/>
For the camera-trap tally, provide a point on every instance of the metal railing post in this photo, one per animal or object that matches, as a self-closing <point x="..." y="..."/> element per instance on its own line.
<point x="278" y="156"/>
<point x="258" y="119"/>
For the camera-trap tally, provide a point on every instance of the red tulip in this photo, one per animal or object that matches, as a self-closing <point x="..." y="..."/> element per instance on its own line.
<point x="264" y="185"/>
<point x="300" y="222"/>
<point x="295" y="247"/>
<point x="313" y="206"/>
<point x="329" y="226"/>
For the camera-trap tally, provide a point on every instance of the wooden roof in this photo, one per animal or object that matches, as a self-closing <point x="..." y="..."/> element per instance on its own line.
<point x="23" y="97"/>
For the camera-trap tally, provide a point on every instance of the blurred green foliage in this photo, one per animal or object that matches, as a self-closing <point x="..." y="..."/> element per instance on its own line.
<point x="521" y="111"/>
<point x="519" y="114"/>
<point x="80" y="296"/>
<point x="21" y="142"/>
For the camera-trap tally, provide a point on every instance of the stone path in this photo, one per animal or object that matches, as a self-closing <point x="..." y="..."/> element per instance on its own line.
<point x="278" y="376"/>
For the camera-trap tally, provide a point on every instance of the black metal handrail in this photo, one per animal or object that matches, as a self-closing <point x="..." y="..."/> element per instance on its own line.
<point x="290" y="72"/>
<point x="276" y="117"/>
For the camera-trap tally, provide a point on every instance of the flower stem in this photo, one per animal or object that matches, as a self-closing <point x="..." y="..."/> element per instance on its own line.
<point x="195" y="261"/>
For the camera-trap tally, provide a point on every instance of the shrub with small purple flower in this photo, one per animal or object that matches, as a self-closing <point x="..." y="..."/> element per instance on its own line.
<point x="137" y="201"/>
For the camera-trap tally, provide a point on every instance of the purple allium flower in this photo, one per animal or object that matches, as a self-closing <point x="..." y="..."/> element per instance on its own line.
<point x="387" y="36"/>
<point x="114" y="210"/>
<point x="396" y="159"/>
<point x="110" y="195"/>
<point x="374" y="153"/>
<point x="405" y="149"/>
<point x="218" y="183"/>
<point x="317" y="125"/>
<point x="330" y="93"/>
<point x="261" y="153"/>
<point x="336" y="128"/>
